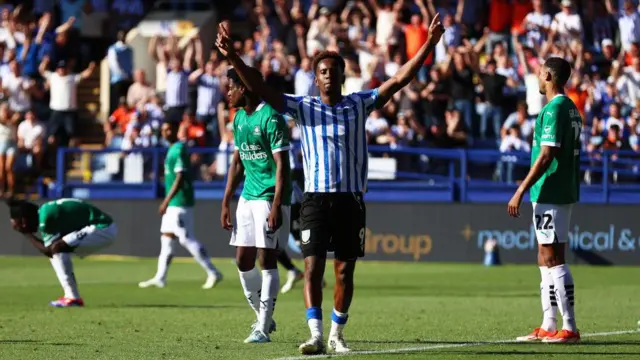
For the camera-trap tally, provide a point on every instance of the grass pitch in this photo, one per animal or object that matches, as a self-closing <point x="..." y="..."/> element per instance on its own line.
<point x="400" y="311"/>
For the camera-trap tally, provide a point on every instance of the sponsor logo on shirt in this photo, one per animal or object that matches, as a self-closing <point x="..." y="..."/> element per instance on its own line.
<point x="250" y="152"/>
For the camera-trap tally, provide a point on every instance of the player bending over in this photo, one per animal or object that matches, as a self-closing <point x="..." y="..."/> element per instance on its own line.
<point x="261" y="140"/>
<point x="555" y="187"/>
<point x="177" y="213"/>
<point x="335" y="157"/>
<point x="66" y="226"/>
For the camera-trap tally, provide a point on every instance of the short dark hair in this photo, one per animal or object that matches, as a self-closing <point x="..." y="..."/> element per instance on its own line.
<point x="22" y="208"/>
<point x="560" y="70"/>
<point x="232" y="74"/>
<point x="328" y="55"/>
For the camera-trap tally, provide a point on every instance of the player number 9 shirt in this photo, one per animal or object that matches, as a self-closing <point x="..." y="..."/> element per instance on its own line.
<point x="558" y="125"/>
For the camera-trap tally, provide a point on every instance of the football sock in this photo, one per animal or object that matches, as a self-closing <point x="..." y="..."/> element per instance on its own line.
<point x="167" y="248"/>
<point x="251" y="283"/>
<point x="200" y="254"/>
<point x="269" y="293"/>
<point x="338" y="321"/>
<point x="548" y="299"/>
<point x="314" y="320"/>
<point x="285" y="260"/>
<point x="63" y="268"/>
<point x="563" y="282"/>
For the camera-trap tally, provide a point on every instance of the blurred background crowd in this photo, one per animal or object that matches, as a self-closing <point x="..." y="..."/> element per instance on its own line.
<point x="479" y="88"/>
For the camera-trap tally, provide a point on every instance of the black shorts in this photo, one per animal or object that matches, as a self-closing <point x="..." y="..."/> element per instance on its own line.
<point x="333" y="222"/>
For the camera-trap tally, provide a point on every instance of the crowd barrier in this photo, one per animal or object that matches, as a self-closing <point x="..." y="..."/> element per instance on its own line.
<point x="396" y="174"/>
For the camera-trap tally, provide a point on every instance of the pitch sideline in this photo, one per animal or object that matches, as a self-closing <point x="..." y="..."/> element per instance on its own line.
<point x="440" y="346"/>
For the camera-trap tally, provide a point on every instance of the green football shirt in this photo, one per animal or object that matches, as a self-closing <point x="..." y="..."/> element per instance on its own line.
<point x="63" y="216"/>
<point x="559" y="125"/>
<point x="177" y="161"/>
<point x="257" y="137"/>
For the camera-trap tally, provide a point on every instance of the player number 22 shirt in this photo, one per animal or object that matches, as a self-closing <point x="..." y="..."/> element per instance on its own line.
<point x="63" y="216"/>
<point x="558" y="125"/>
<point x="257" y="137"/>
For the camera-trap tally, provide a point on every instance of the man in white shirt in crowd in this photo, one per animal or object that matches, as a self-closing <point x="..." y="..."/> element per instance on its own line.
<point x="522" y="119"/>
<point x="376" y="126"/>
<point x="63" y="101"/>
<point x="628" y="22"/>
<point x="567" y="24"/>
<point x="512" y="142"/>
<point x="17" y="88"/>
<point x="629" y="83"/>
<point x="31" y="133"/>
<point x="537" y="24"/>
<point x="140" y="90"/>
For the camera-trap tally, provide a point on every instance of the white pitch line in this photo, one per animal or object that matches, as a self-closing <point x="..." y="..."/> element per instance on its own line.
<point x="439" y="346"/>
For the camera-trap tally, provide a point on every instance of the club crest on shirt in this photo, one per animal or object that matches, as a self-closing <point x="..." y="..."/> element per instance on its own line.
<point x="256" y="130"/>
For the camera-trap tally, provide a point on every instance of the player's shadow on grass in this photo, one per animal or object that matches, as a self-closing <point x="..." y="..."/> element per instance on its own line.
<point x="36" y="342"/>
<point x="170" y="306"/>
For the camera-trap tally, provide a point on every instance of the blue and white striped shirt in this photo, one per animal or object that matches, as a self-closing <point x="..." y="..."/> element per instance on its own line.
<point x="209" y="95"/>
<point x="177" y="93"/>
<point x="334" y="143"/>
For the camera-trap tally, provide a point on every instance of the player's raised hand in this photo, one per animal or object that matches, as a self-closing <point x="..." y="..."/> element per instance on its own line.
<point x="436" y="29"/>
<point x="514" y="205"/>
<point x="225" y="218"/>
<point x="223" y="40"/>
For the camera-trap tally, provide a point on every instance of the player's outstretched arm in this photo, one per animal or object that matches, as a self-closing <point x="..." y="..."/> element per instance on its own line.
<point x="409" y="70"/>
<point x="253" y="82"/>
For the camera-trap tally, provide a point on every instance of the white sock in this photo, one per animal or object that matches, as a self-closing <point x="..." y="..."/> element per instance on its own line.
<point x="200" y="254"/>
<point x="548" y="299"/>
<point x="251" y="283"/>
<point x="314" y="320"/>
<point x="338" y="321"/>
<point x="563" y="282"/>
<point x="63" y="268"/>
<point x="167" y="248"/>
<point x="270" y="287"/>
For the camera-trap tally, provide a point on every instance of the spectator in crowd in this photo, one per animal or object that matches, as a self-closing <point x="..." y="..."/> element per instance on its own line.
<point x="8" y="124"/>
<point x="63" y="103"/>
<point x="512" y="142"/>
<point x="31" y="135"/>
<point x="140" y="91"/>
<point x="120" y="60"/>
<point x="18" y="89"/>
<point x="177" y="94"/>
<point x="209" y="101"/>
<point x="118" y="122"/>
<point x="524" y="122"/>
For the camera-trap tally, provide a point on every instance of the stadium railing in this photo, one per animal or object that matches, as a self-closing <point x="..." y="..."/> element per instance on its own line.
<point x="396" y="174"/>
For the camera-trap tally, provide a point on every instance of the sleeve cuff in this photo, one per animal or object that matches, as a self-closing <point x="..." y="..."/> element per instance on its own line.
<point x="550" y="143"/>
<point x="283" y="148"/>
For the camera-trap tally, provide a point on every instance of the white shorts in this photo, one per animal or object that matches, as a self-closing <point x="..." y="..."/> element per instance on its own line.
<point x="251" y="229"/>
<point x="177" y="221"/>
<point x="90" y="239"/>
<point x="551" y="222"/>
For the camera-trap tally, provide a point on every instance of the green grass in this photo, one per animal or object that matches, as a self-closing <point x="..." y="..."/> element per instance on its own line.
<point x="396" y="306"/>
